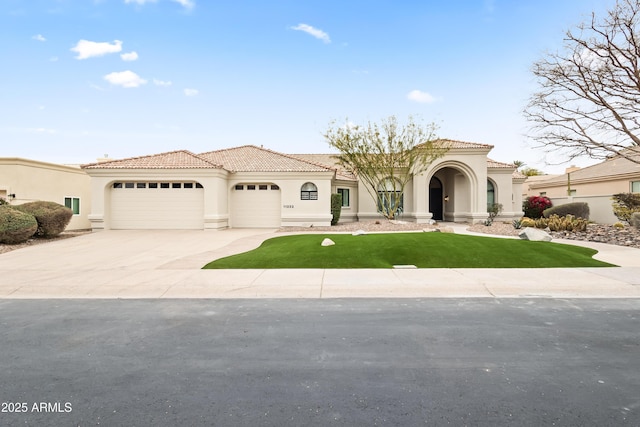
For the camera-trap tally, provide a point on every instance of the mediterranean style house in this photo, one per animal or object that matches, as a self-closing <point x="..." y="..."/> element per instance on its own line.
<point x="25" y="180"/>
<point x="253" y="187"/>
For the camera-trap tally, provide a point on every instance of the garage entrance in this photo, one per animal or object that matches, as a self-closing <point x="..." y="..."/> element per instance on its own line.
<point x="157" y="205"/>
<point x="255" y="205"/>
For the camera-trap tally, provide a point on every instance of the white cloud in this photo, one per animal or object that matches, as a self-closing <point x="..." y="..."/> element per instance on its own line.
<point x="191" y="92"/>
<point x="130" y="56"/>
<point x="139" y="1"/>
<point x="161" y="82"/>
<point x="88" y="49"/>
<point x="39" y="37"/>
<point x="125" y="79"/>
<point x="187" y="4"/>
<point x="422" y="97"/>
<point x="319" y="34"/>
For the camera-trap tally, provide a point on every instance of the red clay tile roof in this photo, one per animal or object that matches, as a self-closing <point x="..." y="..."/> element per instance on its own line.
<point x="249" y="158"/>
<point x="453" y="144"/>
<point x="494" y="164"/>
<point x="330" y="161"/>
<point x="616" y="167"/>
<point x="181" y="159"/>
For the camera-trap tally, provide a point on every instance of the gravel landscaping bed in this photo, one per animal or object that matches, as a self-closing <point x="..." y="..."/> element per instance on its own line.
<point x="601" y="233"/>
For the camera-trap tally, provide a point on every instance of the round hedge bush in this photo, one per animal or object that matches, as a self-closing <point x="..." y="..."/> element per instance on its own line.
<point x="16" y="226"/>
<point x="577" y="209"/>
<point x="52" y="217"/>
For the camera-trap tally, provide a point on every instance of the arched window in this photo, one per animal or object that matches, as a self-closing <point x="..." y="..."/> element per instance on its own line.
<point x="309" y="191"/>
<point x="491" y="194"/>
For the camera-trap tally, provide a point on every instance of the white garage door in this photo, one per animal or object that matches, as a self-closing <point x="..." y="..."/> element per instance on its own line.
<point x="255" y="206"/>
<point x="157" y="206"/>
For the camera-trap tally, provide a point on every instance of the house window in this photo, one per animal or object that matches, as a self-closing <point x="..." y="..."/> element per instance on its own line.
<point x="491" y="195"/>
<point x="198" y="185"/>
<point x="262" y="187"/>
<point x="153" y="185"/>
<point x="128" y="185"/>
<point x="117" y="185"/>
<point x="344" y="192"/>
<point x="239" y="187"/>
<point x="141" y="185"/>
<point x="543" y="193"/>
<point x="176" y="185"/>
<point x="188" y="185"/>
<point x="635" y="186"/>
<point x="164" y="185"/>
<point x="309" y="191"/>
<point x="274" y="187"/>
<point x="73" y="203"/>
<point x="251" y="187"/>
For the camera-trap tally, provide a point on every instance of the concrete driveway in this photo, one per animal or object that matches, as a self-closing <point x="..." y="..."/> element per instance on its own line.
<point x="167" y="264"/>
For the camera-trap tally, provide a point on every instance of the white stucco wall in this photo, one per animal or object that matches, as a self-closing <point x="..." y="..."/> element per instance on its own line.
<point x="32" y="180"/>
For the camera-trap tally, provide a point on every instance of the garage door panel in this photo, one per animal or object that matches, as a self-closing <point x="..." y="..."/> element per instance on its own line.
<point x="255" y="208"/>
<point x="145" y="208"/>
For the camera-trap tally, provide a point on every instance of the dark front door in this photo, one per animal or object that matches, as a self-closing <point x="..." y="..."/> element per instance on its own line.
<point x="435" y="203"/>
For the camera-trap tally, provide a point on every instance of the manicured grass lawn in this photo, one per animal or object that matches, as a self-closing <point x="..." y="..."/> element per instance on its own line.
<point x="424" y="250"/>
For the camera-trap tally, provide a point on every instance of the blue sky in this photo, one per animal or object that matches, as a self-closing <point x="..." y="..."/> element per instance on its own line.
<point x="84" y="78"/>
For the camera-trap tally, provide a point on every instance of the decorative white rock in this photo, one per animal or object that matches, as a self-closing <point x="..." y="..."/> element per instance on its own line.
<point x="535" y="235"/>
<point x="445" y="230"/>
<point x="359" y="233"/>
<point x="328" y="242"/>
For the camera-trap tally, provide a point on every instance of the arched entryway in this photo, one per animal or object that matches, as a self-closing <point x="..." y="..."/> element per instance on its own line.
<point x="453" y="193"/>
<point x="436" y="197"/>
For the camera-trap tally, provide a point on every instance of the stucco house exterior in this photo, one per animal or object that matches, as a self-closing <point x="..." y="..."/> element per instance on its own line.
<point x="253" y="187"/>
<point x="593" y="184"/>
<point x="25" y="180"/>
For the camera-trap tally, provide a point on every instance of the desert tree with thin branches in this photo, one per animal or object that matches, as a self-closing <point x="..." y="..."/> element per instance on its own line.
<point x="385" y="156"/>
<point x="588" y="97"/>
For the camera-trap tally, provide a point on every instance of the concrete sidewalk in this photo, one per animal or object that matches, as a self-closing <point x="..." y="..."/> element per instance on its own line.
<point x="167" y="264"/>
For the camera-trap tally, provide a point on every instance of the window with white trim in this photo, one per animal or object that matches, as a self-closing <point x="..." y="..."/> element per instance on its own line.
<point x="73" y="203"/>
<point x="309" y="191"/>
<point x="344" y="192"/>
<point x="635" y="186"/>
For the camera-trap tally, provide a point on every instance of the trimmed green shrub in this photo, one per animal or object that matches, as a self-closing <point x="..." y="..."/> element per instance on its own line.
<point x="52" y="217"/>
<point x="16" y="226"/>
<point x="533" y="206"/>
<point x="336" y="207"/>
<point x="634" y="220"/>
<point x="3" y="201"/>
<point x="577" y="209"/>
<point x="625" y="204"/>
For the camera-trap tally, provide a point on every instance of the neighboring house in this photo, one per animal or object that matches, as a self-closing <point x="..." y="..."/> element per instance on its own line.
<point x="593" y="184"/>
<point x="23" y="180"/>
<point x="250" y="186"/>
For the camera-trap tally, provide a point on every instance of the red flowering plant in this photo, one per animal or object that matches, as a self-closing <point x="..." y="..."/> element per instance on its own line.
<point x="533" y="206"/>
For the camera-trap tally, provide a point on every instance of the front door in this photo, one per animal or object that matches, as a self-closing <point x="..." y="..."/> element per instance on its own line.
<point x="435" y="199"/>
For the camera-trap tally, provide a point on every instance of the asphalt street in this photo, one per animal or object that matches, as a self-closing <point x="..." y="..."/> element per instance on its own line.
<point x="311" y="362"/>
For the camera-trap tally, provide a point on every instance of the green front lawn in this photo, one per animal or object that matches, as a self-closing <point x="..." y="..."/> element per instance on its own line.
<point x="424" y="250"/>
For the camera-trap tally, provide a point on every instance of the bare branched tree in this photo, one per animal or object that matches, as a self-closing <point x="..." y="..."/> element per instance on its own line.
<point x="588" y="102"/>
<point x="385" y="156"/>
